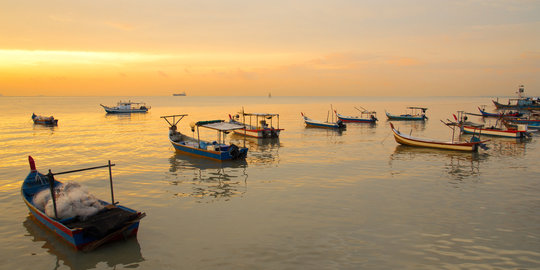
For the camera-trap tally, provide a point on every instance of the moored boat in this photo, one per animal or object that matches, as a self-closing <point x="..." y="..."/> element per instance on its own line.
<point x="520" y="132"/>
<point x="405" y="139"/>
<point x="80" y="219"/>
<point x="519" y="103"/>
<point x="503" y="114"/>
<point x="44" y="120"/>
<point x="320" y="124"/>
<point x="127" y="107"/>
<point x="256" y="124"/>
<point x="216" y="150"/>
<point x="412" y="114"/>
<point x="365" y="117"/>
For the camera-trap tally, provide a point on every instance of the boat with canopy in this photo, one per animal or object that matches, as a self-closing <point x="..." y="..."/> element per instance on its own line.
<point x="257" y="125"/>
<point x="127" y="107"/>
<point x="413" y="113"/>
<point x="217" y="150"/>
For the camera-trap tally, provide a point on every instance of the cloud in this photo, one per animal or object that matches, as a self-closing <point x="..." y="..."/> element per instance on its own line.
<point x="120" y="26"/>
<point x="404" y="62"/>
<point x="163" y="74"/>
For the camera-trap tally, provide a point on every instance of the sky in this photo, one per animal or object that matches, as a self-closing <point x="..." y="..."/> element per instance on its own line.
<point x="287" y="48"/>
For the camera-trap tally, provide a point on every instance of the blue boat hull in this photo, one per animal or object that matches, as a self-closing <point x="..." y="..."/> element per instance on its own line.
<point x="406" y="117"/>
<point x="77" y="237"/>
<point x="221" y="155"/>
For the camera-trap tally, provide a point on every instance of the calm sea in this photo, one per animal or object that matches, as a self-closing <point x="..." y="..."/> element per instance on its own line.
<point x="314" y="199"/>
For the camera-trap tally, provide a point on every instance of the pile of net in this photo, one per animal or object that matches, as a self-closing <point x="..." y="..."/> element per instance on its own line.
<point x="72" y="200"/>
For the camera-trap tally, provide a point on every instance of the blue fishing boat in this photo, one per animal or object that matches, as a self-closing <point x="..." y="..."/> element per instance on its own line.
<point x="97" y="222"/>
<point x="44" y="120"/>
<point x="365" y="117"/>
<point x="503" y="114"/>
<point x="320" y="124"/>
<point x="519" y="103"/>
<point x="216" y="150"/>
<point x="413" y="113"/>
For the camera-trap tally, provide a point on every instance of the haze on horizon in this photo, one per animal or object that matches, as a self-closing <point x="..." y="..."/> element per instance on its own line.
<point x="288" y="48"/>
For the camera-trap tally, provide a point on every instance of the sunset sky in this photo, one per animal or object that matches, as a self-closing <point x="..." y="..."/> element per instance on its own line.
<point x="288" y="48"/>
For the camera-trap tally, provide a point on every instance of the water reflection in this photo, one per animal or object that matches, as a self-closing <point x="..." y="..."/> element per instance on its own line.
<point x="126" y="116"/>
<point x="120" y="253"/>
<point x="37" y="128"/>
<point x="328" y="131"/>
<point x="207" y="179"/>
<point x="458" y="165"/>
<point x="263" y="150"/>
<point x="499" y="146"/>
<point x="407" y="126"/>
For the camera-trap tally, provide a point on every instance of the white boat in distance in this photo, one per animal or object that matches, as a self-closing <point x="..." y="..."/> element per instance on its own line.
<point x="127" y="107"/>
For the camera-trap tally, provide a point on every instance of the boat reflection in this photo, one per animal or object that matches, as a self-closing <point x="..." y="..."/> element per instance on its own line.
<point x="328" y="131"/>
<point x="44" y="128"/>
<point x="126" y="254"/>
<point x="407" y="125"/>
<point x="263" y="150"/>
<point x="457" y="164"/>
<point x="127" y="116"/>
<point x="206" y="179"/>
<point x="512" y="147"/>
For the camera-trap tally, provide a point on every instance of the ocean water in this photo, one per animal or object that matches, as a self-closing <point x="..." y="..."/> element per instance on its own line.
<point x="314" y="199"/>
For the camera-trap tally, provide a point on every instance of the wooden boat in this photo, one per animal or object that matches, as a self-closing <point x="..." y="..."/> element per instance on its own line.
<point x="404" y="139"/>
<point x="413" y="114"/>
<point x="494" y="130"/>
<point x="365" y="117"/>
<point x="258" y="126"/>
<point x="519" y="103"/>
<point x="127" y="107"/>
<point x="216" y="150"/>
<point x="43" y="120"/>
<point x="320" y="124"/>
<point x="503" y="114"/>
<point x="183" y="94"/>
<point x="112" y="222"/>
<point x="520" y="132"/>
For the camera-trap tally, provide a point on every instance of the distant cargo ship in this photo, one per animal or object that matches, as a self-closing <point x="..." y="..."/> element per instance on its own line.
<point x="183" y="94"/>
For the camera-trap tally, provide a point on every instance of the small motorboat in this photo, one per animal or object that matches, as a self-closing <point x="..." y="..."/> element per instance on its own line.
<point x="216" y="150"/>
<point x="127" y="107"/>
<point x="504" y="114"/>
<point x="256" y="124"/>
<point x="74" y="215"/>
<point x="320" y="124"/>
<point x="412" y="114"/>
<point x="404" y="139"/>
<point x="44" y="120"/>
<point x="365" y="117"/>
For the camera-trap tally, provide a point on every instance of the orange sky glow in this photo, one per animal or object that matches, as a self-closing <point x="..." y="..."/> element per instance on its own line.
<point x="350" y="48"/>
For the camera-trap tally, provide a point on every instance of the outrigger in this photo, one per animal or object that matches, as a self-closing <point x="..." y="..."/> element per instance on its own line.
<point x="216" y="150"/>
<point x="259" y="129"/>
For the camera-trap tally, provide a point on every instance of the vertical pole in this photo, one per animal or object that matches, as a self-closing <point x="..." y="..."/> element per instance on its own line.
<point x="110" y="179"/>
<point x="53" y="195"/>
<point x="198" y="138"/>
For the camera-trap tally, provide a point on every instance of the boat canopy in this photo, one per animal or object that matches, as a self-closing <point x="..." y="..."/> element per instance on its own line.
<point x="417" y="108"/>
<point x="260" y="114"/>
<point x="220" y="125"/>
